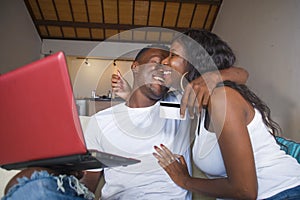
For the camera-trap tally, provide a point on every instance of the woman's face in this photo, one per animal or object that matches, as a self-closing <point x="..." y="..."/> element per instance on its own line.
<point x="176" y="60"/>
<point x="179" y="66"/>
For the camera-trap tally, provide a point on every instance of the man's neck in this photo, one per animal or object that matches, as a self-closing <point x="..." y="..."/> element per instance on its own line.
<point x="139" y="100"/>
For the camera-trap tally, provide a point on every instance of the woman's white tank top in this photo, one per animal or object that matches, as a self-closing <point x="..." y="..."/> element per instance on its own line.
<point x="275" y="170"/>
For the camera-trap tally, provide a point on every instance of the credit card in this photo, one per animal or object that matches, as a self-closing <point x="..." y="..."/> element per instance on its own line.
<point x="170" y="110"/>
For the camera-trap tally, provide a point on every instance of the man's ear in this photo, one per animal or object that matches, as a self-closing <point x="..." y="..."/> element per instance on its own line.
<point x="134" y="66"/>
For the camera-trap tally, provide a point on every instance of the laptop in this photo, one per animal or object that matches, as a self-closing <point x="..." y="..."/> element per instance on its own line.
<point x="40" y="126"/>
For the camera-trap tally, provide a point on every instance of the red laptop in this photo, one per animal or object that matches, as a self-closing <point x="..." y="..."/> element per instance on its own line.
<point x="39" y="121"/>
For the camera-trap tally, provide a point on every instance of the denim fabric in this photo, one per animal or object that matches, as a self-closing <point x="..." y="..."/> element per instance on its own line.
<point x="290" y="194"/>
<point x="42" y="186"/>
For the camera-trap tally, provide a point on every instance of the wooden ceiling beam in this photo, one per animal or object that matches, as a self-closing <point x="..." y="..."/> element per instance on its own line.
<point x="211" y="2"/>
<point x="42" y="15"/>
<point x="72" y="14"/>
<point x="178" y="14"/>
<point x="206" y="18"/>
<point x="97" y="25"/>
<point x="110" y="40"/>
<point x="103" y="17"/>
<point x="193" y="15"/>
<point x="57" y="17"/>
<point x="215" y="16"/>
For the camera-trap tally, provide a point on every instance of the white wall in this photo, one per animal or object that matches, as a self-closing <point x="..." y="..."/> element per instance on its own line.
<point x="95" y="76"/>
<point x="20" y="42"/>
<point x="265" y="36"/>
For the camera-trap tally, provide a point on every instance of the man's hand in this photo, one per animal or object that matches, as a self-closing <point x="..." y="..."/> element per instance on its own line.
<point x="120" y="86"/>
<point x="91" y="180"/>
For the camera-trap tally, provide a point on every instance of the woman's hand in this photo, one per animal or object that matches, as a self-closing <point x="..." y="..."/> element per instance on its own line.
<point x="120" y="86"/>
<point x="197" y="93"/>
<point x="173" y="164"/>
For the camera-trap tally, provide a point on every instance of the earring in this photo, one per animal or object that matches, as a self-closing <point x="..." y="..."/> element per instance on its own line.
<point x="181" y="80"/>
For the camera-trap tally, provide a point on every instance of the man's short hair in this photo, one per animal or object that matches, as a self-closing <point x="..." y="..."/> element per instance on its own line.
<point x="152" y="46"/>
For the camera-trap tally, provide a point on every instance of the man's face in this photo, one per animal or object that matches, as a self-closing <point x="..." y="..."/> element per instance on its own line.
<point x="150" y="75"/>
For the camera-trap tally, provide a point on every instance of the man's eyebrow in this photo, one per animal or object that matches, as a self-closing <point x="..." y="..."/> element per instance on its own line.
<point x="158" y="56"/>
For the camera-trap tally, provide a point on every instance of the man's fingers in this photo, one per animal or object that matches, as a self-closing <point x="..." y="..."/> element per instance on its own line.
<point x="115" y="77"/>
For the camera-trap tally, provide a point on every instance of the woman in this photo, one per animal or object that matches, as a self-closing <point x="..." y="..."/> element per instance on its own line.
<point x="234" y="145"/>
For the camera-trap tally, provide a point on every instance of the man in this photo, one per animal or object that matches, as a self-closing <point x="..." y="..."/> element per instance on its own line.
<point x="132" y="129"/>
<point x="129" y="129"/>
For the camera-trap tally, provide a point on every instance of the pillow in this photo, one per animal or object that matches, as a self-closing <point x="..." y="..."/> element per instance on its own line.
<point x="290" y="147"/>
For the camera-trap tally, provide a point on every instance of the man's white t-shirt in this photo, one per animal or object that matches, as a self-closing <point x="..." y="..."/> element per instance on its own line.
<point x="133" y="132"/>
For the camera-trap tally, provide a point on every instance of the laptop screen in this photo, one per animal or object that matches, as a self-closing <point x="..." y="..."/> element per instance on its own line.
<point x="38" y="112"/>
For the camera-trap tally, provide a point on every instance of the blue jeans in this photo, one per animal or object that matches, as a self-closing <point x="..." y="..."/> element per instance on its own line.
<point x="42" y="186"/>
<point x="290" y="194"/>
